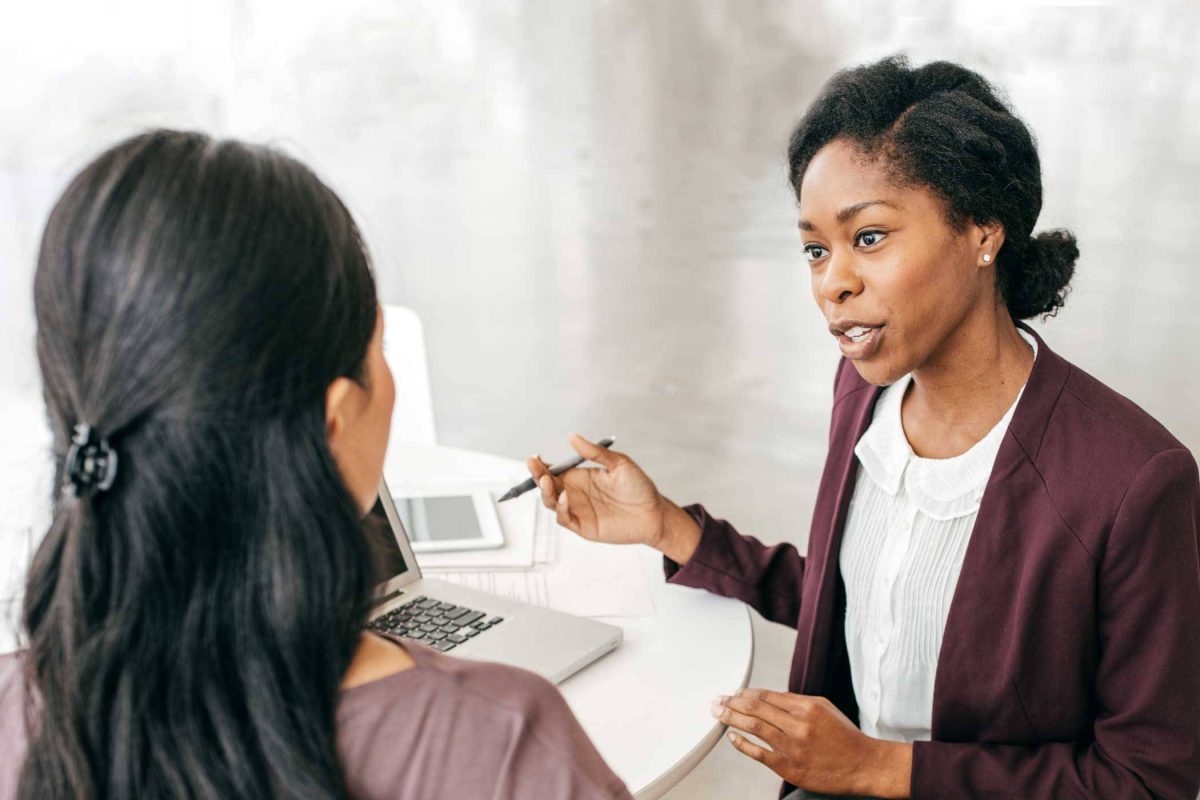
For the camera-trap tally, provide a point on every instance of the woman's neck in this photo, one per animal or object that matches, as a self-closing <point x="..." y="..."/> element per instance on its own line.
<point x="376" y="658"/>
<point x="959" y="394"/>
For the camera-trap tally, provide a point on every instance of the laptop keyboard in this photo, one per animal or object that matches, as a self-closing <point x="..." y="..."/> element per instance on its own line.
<point x="442" y="626"/>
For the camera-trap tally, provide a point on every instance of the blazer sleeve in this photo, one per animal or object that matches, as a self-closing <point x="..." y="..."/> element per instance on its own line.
<point x="1145" y="741"/>
<point x="730" y="564"/>
<point x="768" y="579"/>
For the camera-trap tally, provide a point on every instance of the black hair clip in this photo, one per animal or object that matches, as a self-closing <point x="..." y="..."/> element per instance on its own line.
<point x="91" y="463"/>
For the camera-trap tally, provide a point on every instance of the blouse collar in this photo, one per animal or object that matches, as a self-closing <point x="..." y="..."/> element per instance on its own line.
<point x="941" y="488"/>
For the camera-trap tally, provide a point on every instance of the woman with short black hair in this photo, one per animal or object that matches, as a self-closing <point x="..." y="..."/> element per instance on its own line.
<point x="999" y="595"/>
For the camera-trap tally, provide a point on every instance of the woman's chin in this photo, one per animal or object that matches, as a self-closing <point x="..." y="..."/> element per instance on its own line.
<point x="878" y="373"/>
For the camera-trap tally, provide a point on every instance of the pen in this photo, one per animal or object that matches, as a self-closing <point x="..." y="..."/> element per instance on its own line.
<point x="557" y="469"/>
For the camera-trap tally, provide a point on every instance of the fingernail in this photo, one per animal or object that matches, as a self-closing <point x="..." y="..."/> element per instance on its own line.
<point x="562" y="496"/>
<point x="731" y="736"/>
<point x="721" y="699"/>
<point x="715" y="709"/>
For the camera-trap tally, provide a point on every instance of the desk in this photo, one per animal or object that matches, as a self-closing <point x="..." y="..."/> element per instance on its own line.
<point x="645" y="705"/>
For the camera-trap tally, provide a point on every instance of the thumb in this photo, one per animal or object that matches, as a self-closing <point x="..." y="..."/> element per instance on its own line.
<point x="594" y="452"/>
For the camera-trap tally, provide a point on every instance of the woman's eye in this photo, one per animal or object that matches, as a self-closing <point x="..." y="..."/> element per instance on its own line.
<point x="871" y="238"/>
<point x="813" y="252"/>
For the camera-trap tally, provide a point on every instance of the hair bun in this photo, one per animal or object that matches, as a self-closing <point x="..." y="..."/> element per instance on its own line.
<point x="1040" y="282"/>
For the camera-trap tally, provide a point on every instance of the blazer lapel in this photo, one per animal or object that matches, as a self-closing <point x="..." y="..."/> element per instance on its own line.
<point x="825" y="536"/>
<point x="978" y="639"/>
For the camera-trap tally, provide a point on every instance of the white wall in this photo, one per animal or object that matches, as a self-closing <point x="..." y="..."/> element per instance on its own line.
<point x="585" y="201"/>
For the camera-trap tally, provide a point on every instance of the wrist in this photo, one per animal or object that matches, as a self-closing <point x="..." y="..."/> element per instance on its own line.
<point x="664" y="511"/>
<point x="678" y="534"/>
<point x="889" y="770"/>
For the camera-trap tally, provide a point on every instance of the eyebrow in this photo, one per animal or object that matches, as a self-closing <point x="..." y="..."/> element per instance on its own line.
<point x="849" y="211"/>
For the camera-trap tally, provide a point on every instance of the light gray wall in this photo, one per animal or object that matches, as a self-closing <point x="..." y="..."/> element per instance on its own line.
<point x="586" y="202"/>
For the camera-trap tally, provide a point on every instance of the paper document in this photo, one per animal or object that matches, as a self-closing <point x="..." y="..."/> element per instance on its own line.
<point x="545" y="536"/>
<point x="586" y="578"/>
<point x="525" y="586"/>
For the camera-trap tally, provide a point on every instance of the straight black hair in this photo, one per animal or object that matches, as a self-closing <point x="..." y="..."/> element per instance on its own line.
<point x="189" y="628"/>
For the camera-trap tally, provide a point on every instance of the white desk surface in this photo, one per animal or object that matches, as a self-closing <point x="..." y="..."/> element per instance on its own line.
<point x="645" y="705"/>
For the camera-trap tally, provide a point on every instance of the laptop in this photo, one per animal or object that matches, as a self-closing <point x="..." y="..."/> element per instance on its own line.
<point x="469" y="623"/>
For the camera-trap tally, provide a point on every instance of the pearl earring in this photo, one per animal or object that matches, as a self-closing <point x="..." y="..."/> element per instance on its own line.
<point x="987" y="257"/>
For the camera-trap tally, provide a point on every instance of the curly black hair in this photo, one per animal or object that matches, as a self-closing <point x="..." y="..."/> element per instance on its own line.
<point x="944" y="127"/>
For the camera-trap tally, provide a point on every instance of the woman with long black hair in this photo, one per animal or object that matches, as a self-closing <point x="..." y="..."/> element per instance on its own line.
<point x="1000" y="593"/>
<point x="210" y="348"/>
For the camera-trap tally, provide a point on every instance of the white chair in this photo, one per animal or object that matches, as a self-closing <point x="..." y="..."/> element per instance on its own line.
<point x="404" y="351"/>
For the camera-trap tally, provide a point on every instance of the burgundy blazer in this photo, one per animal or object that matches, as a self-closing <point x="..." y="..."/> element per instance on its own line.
<point x="1070" y="663"/>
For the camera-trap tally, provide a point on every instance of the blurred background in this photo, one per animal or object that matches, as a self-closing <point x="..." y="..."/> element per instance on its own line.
<point x="586" y="204"/>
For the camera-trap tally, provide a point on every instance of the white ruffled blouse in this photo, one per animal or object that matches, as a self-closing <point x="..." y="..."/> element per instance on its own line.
<point x="906" y="534"/>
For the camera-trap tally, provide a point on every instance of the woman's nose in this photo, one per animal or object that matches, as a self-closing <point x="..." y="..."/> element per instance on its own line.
<point x="840" y="280"/>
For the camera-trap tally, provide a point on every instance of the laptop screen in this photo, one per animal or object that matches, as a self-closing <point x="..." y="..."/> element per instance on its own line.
<point x="386" y="557"/>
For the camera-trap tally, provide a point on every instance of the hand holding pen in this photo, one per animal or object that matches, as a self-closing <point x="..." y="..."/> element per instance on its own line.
<point x="555" y="471"/>
<point x="616" y="504"/>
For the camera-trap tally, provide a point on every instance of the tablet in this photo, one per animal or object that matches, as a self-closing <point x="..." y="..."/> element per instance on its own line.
<point x="450" y="520"/>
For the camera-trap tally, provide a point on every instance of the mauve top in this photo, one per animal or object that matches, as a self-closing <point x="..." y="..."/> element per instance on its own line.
<point x="445" y="728"/>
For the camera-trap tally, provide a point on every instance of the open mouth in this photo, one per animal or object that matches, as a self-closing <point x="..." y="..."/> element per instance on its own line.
<point x="860" y="333"/>
<point x="860" y="341"/>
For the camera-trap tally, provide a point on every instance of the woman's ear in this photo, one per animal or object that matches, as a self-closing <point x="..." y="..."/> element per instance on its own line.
<point x="339" y="408"/>
<point x="988" y="238"/>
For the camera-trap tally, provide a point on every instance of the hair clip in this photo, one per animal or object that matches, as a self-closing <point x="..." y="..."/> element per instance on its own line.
<point x="91" y="462"/>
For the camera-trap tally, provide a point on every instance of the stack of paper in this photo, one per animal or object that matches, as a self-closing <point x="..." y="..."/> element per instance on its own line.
<point x="565" y="573"/>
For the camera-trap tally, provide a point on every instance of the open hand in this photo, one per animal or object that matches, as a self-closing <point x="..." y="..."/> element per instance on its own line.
<point x="813" y="745"/>
<point x="617" y="503"/>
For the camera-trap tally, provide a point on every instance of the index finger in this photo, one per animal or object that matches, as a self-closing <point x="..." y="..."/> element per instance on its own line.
<point x="785" y="701"/>
<point x="537" y="468"/>
<point x="759" y="709"/>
